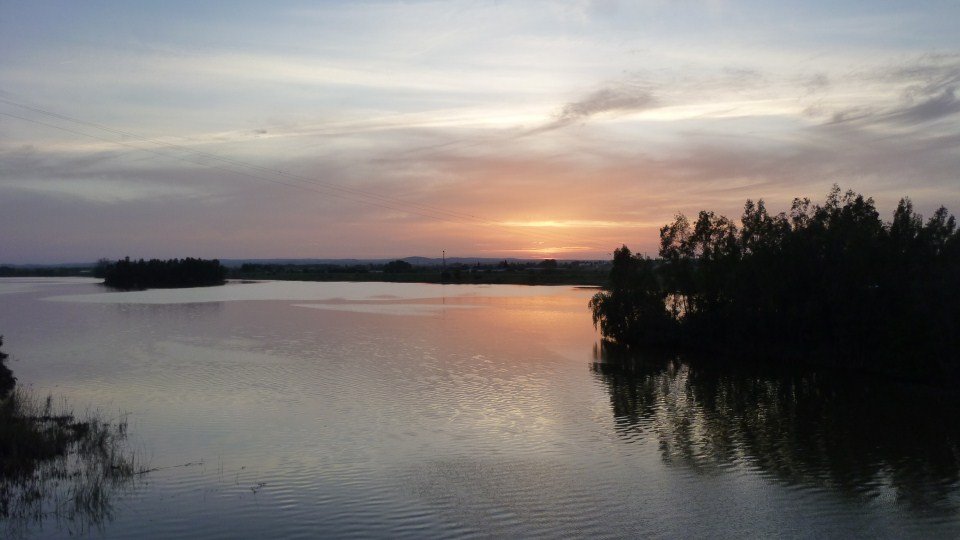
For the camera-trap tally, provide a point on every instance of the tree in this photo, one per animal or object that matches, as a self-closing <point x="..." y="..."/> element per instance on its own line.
<point x="397" y="267"/>
<point x="189" y="272"/>
<point x="829" y="282"/>
<point x="632" y="309"/>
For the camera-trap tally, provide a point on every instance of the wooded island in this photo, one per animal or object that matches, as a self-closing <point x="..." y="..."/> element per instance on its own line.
<point x="156" y="273"/>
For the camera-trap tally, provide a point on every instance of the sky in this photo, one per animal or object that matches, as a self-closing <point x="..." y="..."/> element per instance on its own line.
<point x="380" y="129"/>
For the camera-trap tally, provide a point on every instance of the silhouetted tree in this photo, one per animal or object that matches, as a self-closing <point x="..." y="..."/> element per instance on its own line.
<point x="397" y="267"/>
<point x="189" y="272"/>
<point x="831" y="282"/>
<point x="100" y="270"/>
<point x="633" y="306"/>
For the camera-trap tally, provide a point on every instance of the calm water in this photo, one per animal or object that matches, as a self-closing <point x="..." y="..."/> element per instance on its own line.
<point x="407" y="410"/>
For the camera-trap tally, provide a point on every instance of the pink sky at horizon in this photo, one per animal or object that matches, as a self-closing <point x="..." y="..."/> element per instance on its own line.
<point x="381" y="130"/>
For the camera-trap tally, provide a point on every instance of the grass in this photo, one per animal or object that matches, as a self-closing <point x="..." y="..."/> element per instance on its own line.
<point x="57" y="468"/>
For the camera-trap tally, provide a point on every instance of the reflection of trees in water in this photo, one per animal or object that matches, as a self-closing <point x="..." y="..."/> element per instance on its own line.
<point x="854" y="436"/>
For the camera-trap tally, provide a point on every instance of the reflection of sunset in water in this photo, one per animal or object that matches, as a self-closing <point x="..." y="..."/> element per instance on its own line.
<point x="412" y="410"/>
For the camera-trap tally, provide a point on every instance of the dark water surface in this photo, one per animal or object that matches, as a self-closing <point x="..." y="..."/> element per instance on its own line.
<point x="408" y="410"/>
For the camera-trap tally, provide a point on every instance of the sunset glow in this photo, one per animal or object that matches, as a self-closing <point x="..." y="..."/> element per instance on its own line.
<point x="384" y="129"/>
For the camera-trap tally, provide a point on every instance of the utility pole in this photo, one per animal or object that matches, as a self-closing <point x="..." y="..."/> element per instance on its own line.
<point x="444" y="260"/>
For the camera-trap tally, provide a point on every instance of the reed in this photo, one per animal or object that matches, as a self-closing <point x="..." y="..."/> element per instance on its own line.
<point x="56" y="467"/>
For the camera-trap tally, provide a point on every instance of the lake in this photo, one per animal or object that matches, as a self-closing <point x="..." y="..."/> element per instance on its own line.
<point x="292" y="409"/>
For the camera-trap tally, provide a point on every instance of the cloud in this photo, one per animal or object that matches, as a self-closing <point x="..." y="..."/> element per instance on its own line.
<point x="615" y="98"/>
<point x="621" y="98"/>
<point x="102" y="191"/>
<point x="935" y="108"/>
<point x="906" y="114"/>
<point x="580" y="224"/>
<point x="817" y="82"/>
<point x="697" y="136"/>
<point x="909" y="94"/>
<point x="926" y="75"/>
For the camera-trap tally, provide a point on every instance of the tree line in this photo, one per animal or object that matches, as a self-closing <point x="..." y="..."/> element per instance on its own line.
<point x="156" y="273"/>
<point x="546" y="271"/>
<point x="829" y="283"/>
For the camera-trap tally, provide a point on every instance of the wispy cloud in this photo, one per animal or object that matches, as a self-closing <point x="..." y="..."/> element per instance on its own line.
<point x="921" y="91"/>
<point x="645" y="109"/>
<point x="929" y="110"/>
<point x="580" y="224"/>
<point x="97" y="190"/>
<point x="617" y="98"/>
<point x="548" y="250"/>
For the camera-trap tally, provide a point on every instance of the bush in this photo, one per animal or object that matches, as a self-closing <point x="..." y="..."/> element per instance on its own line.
<point x="7" y="380"/>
